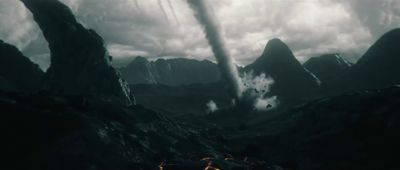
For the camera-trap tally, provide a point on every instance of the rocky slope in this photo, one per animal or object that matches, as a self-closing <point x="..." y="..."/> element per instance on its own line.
<point x="172" y="72"/>
<point x="44" y="131"/>
<point x="352" y="131"/>
<point x="79" y="59"/>
<point x="17" y="72"/>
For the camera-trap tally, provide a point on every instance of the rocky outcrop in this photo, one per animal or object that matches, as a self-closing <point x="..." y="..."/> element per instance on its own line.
<point x="17" y="72"/>
<point x="80" y="63"/>
<point x="327" y="67"/>
<point x="291" y="79"/>
<point x="172" y="72"/>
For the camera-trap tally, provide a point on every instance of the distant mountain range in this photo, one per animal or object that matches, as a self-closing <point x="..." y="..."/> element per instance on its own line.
<point x="173" y="72"/>
<point x="277" y="61"/>
<point x="291" y="79"/>
<point x="326" y="75"/>
<point x="376" y="68"/>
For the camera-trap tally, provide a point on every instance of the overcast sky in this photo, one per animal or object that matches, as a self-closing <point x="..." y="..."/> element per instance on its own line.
<point x="167" y="28"/>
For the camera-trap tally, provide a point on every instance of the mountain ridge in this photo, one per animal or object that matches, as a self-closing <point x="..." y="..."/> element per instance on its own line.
<point x="172" y="72"/>
<point x="327" y="66"/>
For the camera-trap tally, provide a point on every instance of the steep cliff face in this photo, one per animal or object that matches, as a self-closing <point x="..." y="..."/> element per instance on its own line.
<point x="79" y="59"/>
<point x="17" y="72"/>
<point x="173" y="72"/>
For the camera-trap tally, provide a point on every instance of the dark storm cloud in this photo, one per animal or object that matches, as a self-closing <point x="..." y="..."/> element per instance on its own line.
<point x="138" y="27"/>
<point x="378" y="16"/>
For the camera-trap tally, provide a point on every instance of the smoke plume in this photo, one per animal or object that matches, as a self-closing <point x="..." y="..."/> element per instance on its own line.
<point x="211" y="106"/>
<point x="255" y="89"/>
<point x="228" y="69"/>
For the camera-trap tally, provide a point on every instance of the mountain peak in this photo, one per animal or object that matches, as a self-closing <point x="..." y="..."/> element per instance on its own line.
<point x="275" y="41"/>
<point x="383" y="50"/>
<point x="277" y="48"/>
<point x="276" y="55"/>
<point x="279" y="62"/>
<point x="327" y="66"/>
<point x="138" y="60"/>
<point x="395" y="33"/>
<point x="379" y="67"/>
